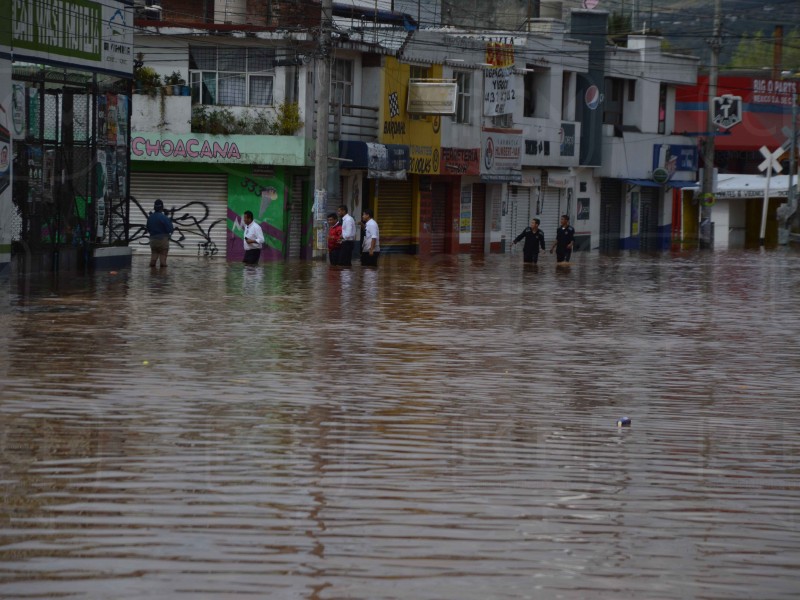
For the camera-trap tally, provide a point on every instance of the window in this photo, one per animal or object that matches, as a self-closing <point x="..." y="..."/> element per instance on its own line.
<point x="632" y="90"/>
<point x="232" y="76"/>
<point x="537" y="93"/>
<point x="463" y="96"/>
<point x="567" y="95"/>
<point x="662" y="109"/>
<point x="342" y="85"/>
<point x="614" y="95"/>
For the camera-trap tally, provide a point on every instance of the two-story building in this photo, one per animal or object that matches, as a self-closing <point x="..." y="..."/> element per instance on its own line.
<point x="226" y="129"/>
<point x="640" y="164"/>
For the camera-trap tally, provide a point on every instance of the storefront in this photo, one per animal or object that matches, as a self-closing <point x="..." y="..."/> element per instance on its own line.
<point x="207" y="182"/>
<point x="381" y="170"/>
<point x="64" y="134"/>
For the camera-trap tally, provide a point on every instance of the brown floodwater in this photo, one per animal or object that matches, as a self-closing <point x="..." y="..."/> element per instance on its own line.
<point x="441" y="429"/>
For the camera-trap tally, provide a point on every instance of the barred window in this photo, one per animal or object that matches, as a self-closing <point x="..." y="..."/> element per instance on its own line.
<point x="232" y="76"/>
<point x="464" y="96"/>
<point x="342" y="85"/>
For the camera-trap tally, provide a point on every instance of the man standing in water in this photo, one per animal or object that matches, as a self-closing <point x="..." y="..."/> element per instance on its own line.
<point x="334" y="239"/>
<point x="564" y="240"/>
<point x="159" y="227"/>
<point x="534" y="239"/>
<point x="348" y="236"/>
<point x="253" y="240"/>
<point x="371" y="247"/>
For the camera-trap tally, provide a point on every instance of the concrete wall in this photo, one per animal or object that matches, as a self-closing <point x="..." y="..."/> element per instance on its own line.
<point x="170" y="113"/>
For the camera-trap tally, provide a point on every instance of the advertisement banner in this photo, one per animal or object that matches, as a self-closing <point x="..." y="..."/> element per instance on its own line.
<point x="461" y="161"/>
<point x="502" y="155"/>
<point x="675" y="157"/>
<point x="81" y="33"/>
<point x="499" y="95"/>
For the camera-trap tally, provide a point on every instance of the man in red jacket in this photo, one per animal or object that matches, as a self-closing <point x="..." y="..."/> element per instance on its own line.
<point x="334" y="235"/>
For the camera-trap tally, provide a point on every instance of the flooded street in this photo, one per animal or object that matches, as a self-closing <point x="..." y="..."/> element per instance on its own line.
<point x="429" y="430"/>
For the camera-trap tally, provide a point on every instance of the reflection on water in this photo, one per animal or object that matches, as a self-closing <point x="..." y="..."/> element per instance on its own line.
<point x="439" y="429"/>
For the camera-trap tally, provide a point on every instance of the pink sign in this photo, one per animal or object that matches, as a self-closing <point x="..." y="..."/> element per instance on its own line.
<point x="190" y="148"/>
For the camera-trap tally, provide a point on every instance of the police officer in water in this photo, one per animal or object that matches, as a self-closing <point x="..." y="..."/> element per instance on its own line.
<point x="534" y="239"/>
<point x="564" y="241"/>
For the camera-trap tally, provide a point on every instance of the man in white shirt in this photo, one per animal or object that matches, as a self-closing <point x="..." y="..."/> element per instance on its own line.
<point x="371" y="247"/>
<point x="348" y="236"/>
<point x="253" y="240"/>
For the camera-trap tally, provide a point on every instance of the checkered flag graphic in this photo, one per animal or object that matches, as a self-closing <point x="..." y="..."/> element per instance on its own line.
<point x="394" y="104"/>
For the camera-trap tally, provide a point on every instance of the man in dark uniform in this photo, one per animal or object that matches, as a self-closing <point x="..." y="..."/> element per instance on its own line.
<point x="534" y="239"/>
<point x="564" y="238"/>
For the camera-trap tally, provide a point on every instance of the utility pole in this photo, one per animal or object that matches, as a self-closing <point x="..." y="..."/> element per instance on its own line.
<point x="793" y="160"/>
<point x="323" y="109"/>
<point x="706" y="237"/>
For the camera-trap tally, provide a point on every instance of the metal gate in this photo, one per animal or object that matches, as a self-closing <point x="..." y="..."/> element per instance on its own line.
<point x="438" y="217"/>
<point x="549" y="211"/>
<point x="70" y="170"/>
<point x="394" y="215"/>
<point x="197" y="203"/>
<point x="478" y="241"/>
<point x="295" y="243"/>
<point x="610" y="214"/>
<point x="648" y="220"/>
<point x="520" y="211"/>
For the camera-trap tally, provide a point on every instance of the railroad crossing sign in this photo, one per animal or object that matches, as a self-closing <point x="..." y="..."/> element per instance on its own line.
<point x="727" y="111"/>
<point x="770" y="160"/>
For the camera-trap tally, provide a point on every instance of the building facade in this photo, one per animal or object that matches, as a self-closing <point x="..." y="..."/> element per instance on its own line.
<point x="64" y="133"/>
<point x="753" y="110"/>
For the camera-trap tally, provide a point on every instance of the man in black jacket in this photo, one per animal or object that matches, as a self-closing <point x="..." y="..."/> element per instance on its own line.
<point x="565" y="236"/>
<point x="534" y="239"/>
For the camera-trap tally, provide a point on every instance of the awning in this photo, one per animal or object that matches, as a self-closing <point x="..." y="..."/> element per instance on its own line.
<point x="382" y="161"/>
<point x="752" y="186"/>
<point x="683" y="184"/>
<point x="643" y="182"/>
<point x="669" y="184"/>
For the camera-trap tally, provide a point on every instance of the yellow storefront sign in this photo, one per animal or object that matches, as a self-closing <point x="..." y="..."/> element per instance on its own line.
<point x="420" y="133"/>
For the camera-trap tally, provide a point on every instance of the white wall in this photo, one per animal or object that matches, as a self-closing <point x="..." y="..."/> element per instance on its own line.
<point x="720" y="216"/>
<point x="172" y="113"/>
<point x="632" y="155"/>
<point x="592" y="191"/>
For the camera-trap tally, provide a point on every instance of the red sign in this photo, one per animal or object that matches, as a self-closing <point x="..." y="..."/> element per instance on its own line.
<point x="460" y="161"/>
<point x="766" y="109"/>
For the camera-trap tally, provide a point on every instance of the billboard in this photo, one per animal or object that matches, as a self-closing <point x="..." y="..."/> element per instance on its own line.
<point x="81" y="33"/>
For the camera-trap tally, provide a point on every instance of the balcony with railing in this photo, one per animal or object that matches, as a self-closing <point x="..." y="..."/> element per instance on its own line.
<point x="351" y="122"/>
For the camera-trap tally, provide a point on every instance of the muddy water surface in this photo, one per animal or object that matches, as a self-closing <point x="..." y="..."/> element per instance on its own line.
<point x="429" y="430"/>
